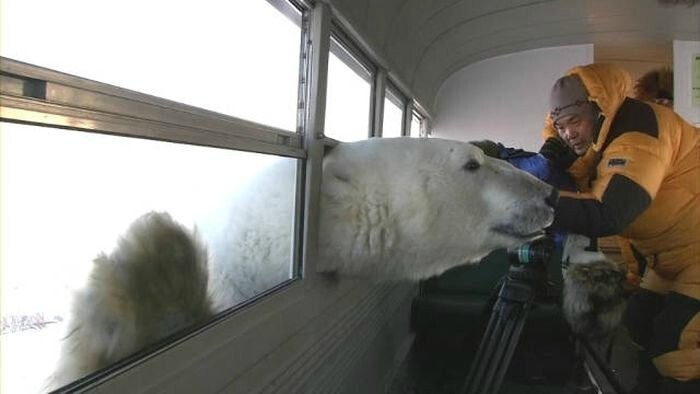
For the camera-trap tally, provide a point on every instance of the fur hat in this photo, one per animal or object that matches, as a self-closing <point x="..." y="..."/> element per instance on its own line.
<point x="593" y="297"/>
<point x="655" y="84"/>
<point x="570" y="97"/>
<point x="594" y="300"/>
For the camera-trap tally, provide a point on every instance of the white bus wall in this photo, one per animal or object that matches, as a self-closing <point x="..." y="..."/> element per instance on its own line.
<point x="636" y="59"/>
<point x="505" y="98"/>
<point x="316" y="336"/>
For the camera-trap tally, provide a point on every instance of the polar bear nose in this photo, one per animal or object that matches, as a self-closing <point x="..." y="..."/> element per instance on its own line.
<point x="553" y="197"/>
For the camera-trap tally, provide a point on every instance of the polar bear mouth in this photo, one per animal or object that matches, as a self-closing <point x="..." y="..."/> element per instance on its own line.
<point x="513" y="232"/>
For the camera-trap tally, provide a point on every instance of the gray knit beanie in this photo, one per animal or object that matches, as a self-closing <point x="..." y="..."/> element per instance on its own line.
<point x="570" y="97"/>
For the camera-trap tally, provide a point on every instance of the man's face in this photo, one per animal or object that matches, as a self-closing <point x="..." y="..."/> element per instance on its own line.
<point x="577" y="131"/>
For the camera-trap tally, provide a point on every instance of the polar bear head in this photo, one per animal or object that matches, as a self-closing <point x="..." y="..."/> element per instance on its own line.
<point x="408" y="208"/>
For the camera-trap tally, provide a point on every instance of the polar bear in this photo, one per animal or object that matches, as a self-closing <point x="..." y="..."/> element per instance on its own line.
<point x="412" y="208"/>
<point x="391" y="209"/>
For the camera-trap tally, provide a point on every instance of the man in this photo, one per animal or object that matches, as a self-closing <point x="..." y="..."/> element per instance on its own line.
<point x="637" y="169"/>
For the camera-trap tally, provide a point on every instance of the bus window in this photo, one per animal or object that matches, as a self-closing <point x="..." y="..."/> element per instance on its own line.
<point x="393" y="114"/>
<point x="239" y="58"/>
<point x="416" y="123"/>
<point x="68" y="196"/>
<point x="348" y="100"/>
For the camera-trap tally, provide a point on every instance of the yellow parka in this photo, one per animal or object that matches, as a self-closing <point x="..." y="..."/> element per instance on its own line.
<point x="640" y="179"/>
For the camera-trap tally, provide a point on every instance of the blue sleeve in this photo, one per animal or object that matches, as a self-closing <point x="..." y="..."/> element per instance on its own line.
<point x="537" y="165"/>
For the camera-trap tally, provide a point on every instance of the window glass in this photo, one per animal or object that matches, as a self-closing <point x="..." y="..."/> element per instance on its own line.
<point x="348" y="97"/>
<point x="393" y="116"/>
<point x="240" y="58"/>
<point x="416" y="122"/>
<point x="67" y="196"/>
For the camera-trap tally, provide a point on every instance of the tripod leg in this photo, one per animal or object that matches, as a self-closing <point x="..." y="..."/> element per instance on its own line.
<point x="500" y="339"/>
<point x="484" y="355"/>
<point x="508" y="321"/>
<point x="509" y="349"/>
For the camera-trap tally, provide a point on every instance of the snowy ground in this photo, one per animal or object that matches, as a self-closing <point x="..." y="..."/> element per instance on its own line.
<point x="28" y="358"/>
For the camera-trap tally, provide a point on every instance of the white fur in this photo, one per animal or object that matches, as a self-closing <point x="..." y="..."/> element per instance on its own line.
<point x="408" y="209"/>
<point x="152" y="285"/>
<point x="391" y="209"/>
<point x="253" y="252"/>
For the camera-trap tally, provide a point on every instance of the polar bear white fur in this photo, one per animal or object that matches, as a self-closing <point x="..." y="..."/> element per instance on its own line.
<point x="391" y="209"/>
<point x="152" y="285"/>
<point x="412" y="208"/>
<point x="253" y="250"/>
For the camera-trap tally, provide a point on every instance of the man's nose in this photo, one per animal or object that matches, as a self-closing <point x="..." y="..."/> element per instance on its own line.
<point x="570" y="132"/>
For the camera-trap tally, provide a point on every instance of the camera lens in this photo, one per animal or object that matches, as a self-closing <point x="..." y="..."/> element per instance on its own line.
<point x="535" y="252"/>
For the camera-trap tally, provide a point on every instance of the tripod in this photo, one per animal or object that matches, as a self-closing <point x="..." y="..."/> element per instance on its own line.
<point x="525" y="281"/>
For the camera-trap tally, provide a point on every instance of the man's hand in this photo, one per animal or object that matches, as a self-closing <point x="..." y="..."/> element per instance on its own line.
<point x="558" y="153"/>
<point x="490" y="148"/>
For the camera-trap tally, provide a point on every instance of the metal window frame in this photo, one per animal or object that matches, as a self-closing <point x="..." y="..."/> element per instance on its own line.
<point x="425" y="120"/>
<point x="407" y="118"/>
<point x="395" y="95"/>
<point x="417" y="115"/>
<point x="413" y="110"/>
<point x="36" y="95"/>
<point x="377" y="107"/>
<point x="292" y="9"/>
<point x="344" y="47"/>
<point x="318" y="44"/>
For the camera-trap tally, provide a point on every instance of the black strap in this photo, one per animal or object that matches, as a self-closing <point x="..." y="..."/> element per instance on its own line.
<point x="641" y="260"/>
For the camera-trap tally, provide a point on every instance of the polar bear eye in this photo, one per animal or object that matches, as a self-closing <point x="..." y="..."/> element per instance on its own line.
<point x="472" y="165"/>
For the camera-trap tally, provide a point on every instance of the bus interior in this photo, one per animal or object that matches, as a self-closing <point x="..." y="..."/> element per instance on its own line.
<point x="112" y="109"/>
